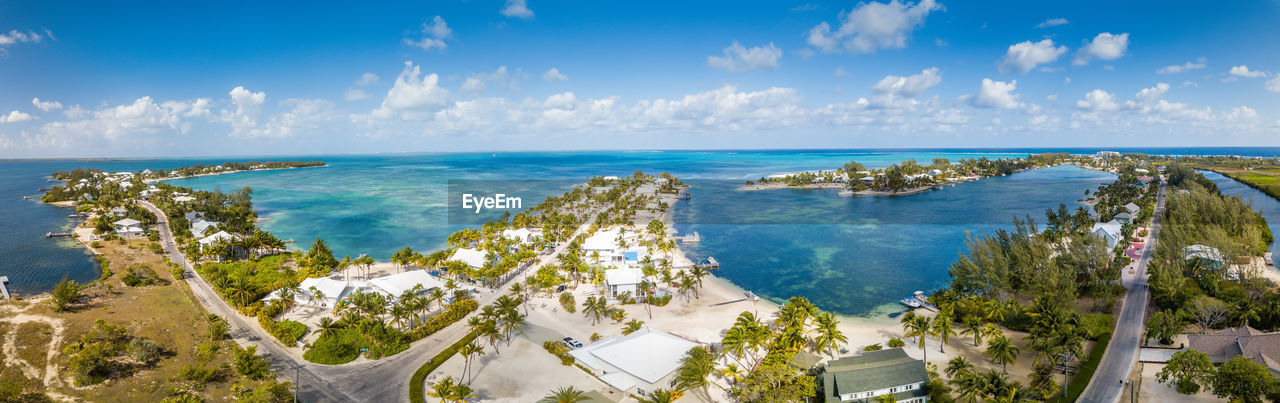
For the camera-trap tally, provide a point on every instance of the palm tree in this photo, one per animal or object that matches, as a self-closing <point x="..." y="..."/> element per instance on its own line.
<point x="511" y="321"/>
<point x="829" y="336"/>
<point x="919" y="327"/>
<point x="695" y="368"/>
<point x="661" y="396"/>
<point x="1002" y="351"/>
<point x="973" y="326"/>
<point x="469" y="351"/>
<point x="943" y="327"/>
<point x="328" y="327"/>
<point x="958" y="367"/>
<point x="565" y="394"/>
<point x="632" y="326"/>
<point x="463" y="393"/>
<point x="443" y="389"/>
<point x="644" y="288"/>
<point x="968" y="386"/>
<point x="596" y="308"/>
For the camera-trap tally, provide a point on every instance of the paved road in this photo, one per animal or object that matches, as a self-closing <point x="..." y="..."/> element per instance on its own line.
<point x="385" y="380"/>
<point x="1122" y="352"/>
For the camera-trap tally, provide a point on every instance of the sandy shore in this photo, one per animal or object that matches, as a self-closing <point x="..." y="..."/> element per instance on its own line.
<point x="223" y="173"/>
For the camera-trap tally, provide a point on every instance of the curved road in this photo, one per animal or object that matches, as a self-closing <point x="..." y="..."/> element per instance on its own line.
<point x="384" y="380"/>
<point x="1122" y="352"/>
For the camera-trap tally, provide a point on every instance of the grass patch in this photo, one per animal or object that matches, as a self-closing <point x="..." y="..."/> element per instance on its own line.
<point x="417" y="384"/>
<point x="32" y="342"/>
<point x="1081" y="380"/>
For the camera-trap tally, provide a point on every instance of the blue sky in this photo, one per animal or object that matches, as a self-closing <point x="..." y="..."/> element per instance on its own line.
<point x="159" y="79"/>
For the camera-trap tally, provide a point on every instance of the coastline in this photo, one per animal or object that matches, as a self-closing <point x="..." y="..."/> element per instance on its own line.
<point x="154" y="180"/>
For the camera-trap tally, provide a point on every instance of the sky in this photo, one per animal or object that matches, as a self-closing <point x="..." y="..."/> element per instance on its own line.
<point x="144" y="79"/>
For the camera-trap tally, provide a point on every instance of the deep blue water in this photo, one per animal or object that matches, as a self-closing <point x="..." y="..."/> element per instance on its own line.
<point x="848" y="254"/>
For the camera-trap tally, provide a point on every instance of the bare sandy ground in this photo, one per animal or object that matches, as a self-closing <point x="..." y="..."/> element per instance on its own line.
<point x="1153" y="391"/>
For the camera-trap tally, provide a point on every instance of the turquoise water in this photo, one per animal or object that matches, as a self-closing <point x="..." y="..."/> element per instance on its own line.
<point x="851" y="255"/>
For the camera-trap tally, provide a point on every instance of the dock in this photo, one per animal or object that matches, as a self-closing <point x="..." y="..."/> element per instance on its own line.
<point x="919" y="300"/>
<point x="751" y="296"/>
<point x="58" y="235"/>
<point x="690" y="238"/>
<point x="711" y="263"/>
<point x="4" y="281"/>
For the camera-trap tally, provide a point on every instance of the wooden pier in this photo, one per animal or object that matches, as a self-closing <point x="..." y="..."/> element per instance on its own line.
<point x="4" y="281"/>
<point x="690" y="238"/>
<point x="711" y="263"/>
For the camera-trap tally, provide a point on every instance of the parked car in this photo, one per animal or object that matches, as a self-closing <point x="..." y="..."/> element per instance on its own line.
<point x="569" y="341"/>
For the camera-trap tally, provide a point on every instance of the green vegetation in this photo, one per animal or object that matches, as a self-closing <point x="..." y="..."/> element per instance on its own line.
<point x="64" y="294"/>
<point x="417" y="383"/>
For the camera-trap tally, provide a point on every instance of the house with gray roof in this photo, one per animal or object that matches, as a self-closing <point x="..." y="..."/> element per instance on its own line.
<point x="1262" y="348"/>
<point x="864" y="377"/>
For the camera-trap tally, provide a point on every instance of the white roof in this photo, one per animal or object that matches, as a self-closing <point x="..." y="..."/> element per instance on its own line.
<point x="522" y="234"/>
<point x="182" y="199"/>
<point x="217" y="237"/>
<point x="602" y="240"/>
<point x="396" y="284"/>
<point x="471" y="257"/>
<point x="623" y="276"/>
<point x="329" y="287"/>
<point x="119" y="209"/>
<point x="647" y="354"/>
<point x="1133" y="208"/>
<point x="1202" y="252"/>
<point x="128" y="222"/>
<point x="130" y="230"/>
<point x="619" y="380"/>
<point x="200" y="226"/>
<point x="1110" y="227"/>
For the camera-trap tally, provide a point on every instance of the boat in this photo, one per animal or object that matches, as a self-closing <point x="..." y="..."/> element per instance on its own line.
<point x="26" y="197"/>
<point x="911" y="302"/>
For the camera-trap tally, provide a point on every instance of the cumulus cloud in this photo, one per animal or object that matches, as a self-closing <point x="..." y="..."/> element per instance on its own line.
<point x="15" y="116"/>
<point x="872" y="26"/>
<point x="1185" y="67"/>
<point x="996" y="94"/>
<point x="304" y="115"/>
<point x="517" y="9"/>
<point x="434" y="32"/>
<point x="367" y="79"/>
<point x="1274" y="85"/>
<point x="1022" y="57"/>
<point x="1052" y="22"/>
<point x="46" y="106"/>
<point x="355" y="94"/>
<point x="122" y="122"/>
<point x="412" y="97"/>
<point x="909" y="86"/>
<point x="248" y="109"/>
<point x="1105" y="46"/>
<point x="739" y="59"/>
<point x="553" y="75"/>
<point x="1243" y="71"/>
<point x="1098" y="100"/>
<point x="499" y="78"/>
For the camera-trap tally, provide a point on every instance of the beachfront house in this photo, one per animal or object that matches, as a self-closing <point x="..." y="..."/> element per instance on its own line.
<point x="864" y="377"/>
<point x="606" y="243"/>
<point x="396" y="285"/>
<point x="1108" y="231"/>
<point x="119" y="211"/>
<point x="322" y="291"/>
<point x="1262" y="348"/>
<point x="935" y="172"/>
<point x="637" y="363"/>
<point x="216" y="238"/>
<point x="473" y="258"/>
<point x="128" y="228"/>
<point x="522" y="235"/>
<point x="1132" y="208"/>
<point x="1123" y="217"/>
<point x="200" y="226"/>
<point x="183" y="199"/>
<point x="623" y="280"/>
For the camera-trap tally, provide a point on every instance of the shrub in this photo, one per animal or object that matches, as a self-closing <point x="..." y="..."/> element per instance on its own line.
<point x="144" y="351"/>
<point x="1096" y="325"/>
<point x="218" y="327"/>
<point x="567" y="301"/>
<point x="287" y="331"/>
<point x="205" y="352"/>
<point x="660" y="301"/>
<point x="873" y="347"/>
<point x="201" y="375"/>
<point x="566" y="360"/>
<point x="65" y="293"/>
<point x="139" y="275"/>
<point x="896" y="343"/>
<point x="452" y="313"/>
<point x="339" y="347"/>
<point x="251" y="365"/>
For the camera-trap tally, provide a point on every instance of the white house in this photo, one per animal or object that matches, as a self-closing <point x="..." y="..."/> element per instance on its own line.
<point x="330" y="291"/>
<point x="200" y="226"/>
<point x="935" y="172"/>
<point x="603" y="242"/>
<point x="471" y="257"/>
<point x="183" y="199"/>
<point x="119" y="211"/>
<point x="637" y="363"/>
<point x="397" y="284"/>
<point x="125" y="223"/>
<point x="1202" y="252"/>
<point x="1132" y="208"/>
<point x="622" y="280"/>
<point x="522" y="235"/>
<point x="220" y="236"/>
<point x="1109" y="231"/>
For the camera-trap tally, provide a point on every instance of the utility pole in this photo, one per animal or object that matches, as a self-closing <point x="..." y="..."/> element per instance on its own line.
<point x="296" y="376"/>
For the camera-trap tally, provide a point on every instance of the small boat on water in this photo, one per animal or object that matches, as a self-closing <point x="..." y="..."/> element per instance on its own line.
<point x="26" y="197"/>
<point x="911" y="302"/>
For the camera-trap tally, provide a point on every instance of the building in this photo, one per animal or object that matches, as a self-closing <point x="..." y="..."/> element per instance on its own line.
<point x="119" y="211"/>
<point x="863" y="377"/>
<point x="1132" y="208"/>
<point x="396" y="285"/>
<point x="217" y="237"/>
<point x="200" y="226"/>
<point x="637" y="363"/>
<point x="1262" y="348"/>
<point x="1109" y="231"/>
<point x="1107" y="154"/>
<point x="471" y="257"/>
<point x="1204" y="254"/>
<point x="622" y="280"/>
<point x="1124" y="217"/>
<point x="522" y="235"/>
<point x="605" y="242"/>
<point x="326" y="291"/>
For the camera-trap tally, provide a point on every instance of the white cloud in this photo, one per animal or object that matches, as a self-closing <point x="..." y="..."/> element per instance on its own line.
<point x="840" y="72"/>
<point x="1105" y="46"/>
<point x="1051" y="97"/>
<point x="411" y="97"/>
<point x="1243" y="71"/>
<point x="739" y="59"/>
<point x="499" y="78"/>
<point x="1185" y="67"/>
<point x="1274" y="85"/>
<point x="248" y="110"/>
<point x="1022" y="57"/>
<point x="553" y="75"/>
<point x="1153" y="93"/>
<point x="367" y="79"/>
<point x="434" y="31"/>
<point x="355" y="94"/>
<point x="996" y="94"/>
<point x="1098" y="100"/>
<point x="46" y="106"/>
<point x="16" y="116"/>
<point x="306" y="114"/>
<point x="15" y="37"/>
<point x="909" y="86"/>
<point x="517" y="9"/>
<point x="1052" y="22"/>
<point x="872" y="26"/>
<point x="123" y="122"/>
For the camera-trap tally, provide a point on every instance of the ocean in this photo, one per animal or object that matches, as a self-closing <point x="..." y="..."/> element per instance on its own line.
<point x="853" y="255"/>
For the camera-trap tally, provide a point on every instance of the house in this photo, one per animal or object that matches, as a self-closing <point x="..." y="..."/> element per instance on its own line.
<point x="868" y="180"/>
<point x="605" y="242"/>
<point x="1123" y="217"/>
<point x="193" y="215"/>
<point x="471" y="257"/>
<point x="522" y="235"/>
<point x="1262" y="348"/>
<point x="397" y="284"/>
<point x="1141" y="171"/>
<point x="119" y="211"/>
<point x="622" y="280"/>
<point x="1109" y="231"/>
<point x="1203" y="254"/>
<point x="935" y="172"/>
<point x="1132" y="208"/>
<point x="183" y="199"/>
<point x="1107" y="154"/>
<point x="637" y="363"/>
<point x="199" y="227"/>
<point x="327" y="291"/>
<point x="124" y="224"/>
<point x="863" y="377"/>
<point x="220" y="236"/>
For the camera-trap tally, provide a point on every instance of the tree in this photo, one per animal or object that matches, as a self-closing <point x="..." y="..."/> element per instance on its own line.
<point x="973" y="326"/>
<point x="1163" y="326"/>
<point x="944" y="328"/>
<point x="1189" y="370"/>
<point x="632" y="326"/>
<point x="829" y="336"/>
<point x="695" y="368"/>
<point x="65" y="293"/>
<point x="774" y="380"/>
<point x="469" y="351"/>
<point x="1002" y="351"/>
<point x="252" y="365"/>
<point x="1208" y="311"/>
<point x="1243" y="380"/>
<point x="919" y="327"/>
<point x="567" y="394"/>
<point x="443" y="389"/>
<point x="958" y="367"/>
<point x="661" y="396"/>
